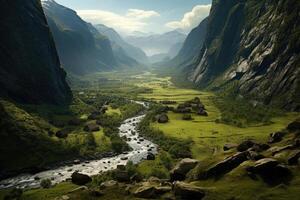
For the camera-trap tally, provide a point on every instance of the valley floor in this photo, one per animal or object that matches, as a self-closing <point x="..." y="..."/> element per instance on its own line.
<point x="207" y="134"/>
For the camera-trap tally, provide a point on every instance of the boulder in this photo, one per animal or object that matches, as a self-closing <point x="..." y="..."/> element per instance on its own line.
<point x="80" y="179"/>
<point x="150" y="156"/>
<point x="253" y="155"/>
<point x="294" y="157"/>
<point x="91" y="128"/>
<point x="271" y="171"/>
<point x="187" y="191"/>
<point x="163" y="118"/>
<point x="226" y="165"/>
<point x="294" y="126"/>
<point x="276" y="137"/>
<point x="264" y="165"/>
<point x="244" y="146"/>
<point x="276" y="149"/>
<point x="229" y="146"/>
<point x="149" y="191"/>
<point x="178" y="173"/>
<point x="109" y="184"/>
<point x="202" y="112"/>
<point x="145" y="191"/>
<point x="259" y="147"/>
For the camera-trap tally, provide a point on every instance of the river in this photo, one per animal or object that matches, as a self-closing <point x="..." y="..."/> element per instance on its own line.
<point x="140" y="150"/>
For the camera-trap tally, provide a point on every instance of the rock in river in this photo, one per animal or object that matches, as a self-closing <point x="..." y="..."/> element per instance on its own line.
<point x="80" y="179"/>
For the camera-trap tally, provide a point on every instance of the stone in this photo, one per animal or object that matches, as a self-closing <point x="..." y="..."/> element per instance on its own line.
<point x="293" y="158"/>
<point x="244" y="146"/>
<point x="276" y="149"/>
<point x="226" y="165"/>
<point x="146" y="192"/>
<point x="229" y="146"/>
<point x="202" y="112"/>
<point x="150" y="156"/>
<point x="294" y="126"/>
<point x="276" y="137"/>
<point x="80" y="179"/>
<point x="188" y="191"/>
<point x="271" y="171"/>
<point x="253" y="155"/>
<point x="178" y="173"/>
<point x="109" y="184"/>
<point x="163" y="118"/>
<point x="91" y="128"/>
<point x="265" y="164"/>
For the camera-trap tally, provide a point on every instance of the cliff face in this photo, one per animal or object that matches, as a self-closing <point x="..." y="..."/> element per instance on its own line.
<point x="255" y="44"/>
<point x="192" y="45"/>
<point x="79" y="51"/>
<point x="30" y="70"/>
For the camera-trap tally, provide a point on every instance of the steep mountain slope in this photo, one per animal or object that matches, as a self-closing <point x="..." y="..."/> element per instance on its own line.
<point x="192" y="45"/>
<point x="157" y="44"/>
<point x="79" y="51"/>
<point x="30" y="70"/>
<point x="118" y="43"/>
<point x="256" y="45"/>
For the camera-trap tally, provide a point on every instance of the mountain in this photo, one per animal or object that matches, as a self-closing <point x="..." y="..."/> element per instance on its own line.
<point x="253" y="48"/>
<point x="79" y="51"/>
<point x="158" y="43"/>
<point x="30" y="70"/>
<point x="118" y="43"/>
<point x="124" y="61"/>
<point x="191" y="46"/>
<point x="165" y="57"/>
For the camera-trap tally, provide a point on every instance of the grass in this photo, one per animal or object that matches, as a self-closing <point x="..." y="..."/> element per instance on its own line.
<point x="208" y="136"/>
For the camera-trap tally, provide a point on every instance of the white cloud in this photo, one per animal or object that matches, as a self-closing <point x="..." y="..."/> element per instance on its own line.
<point x="142" y="14"/>
<point x="191" y="19"/>
<point x="134" y="20"/>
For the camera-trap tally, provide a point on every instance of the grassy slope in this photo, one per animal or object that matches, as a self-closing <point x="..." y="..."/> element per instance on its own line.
<point x="209" y="136"/>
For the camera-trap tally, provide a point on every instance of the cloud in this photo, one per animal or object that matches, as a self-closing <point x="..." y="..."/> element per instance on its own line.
<point x="191" y="19"/>
<point x="133" y="20"/>
<point x="142" y="14"/>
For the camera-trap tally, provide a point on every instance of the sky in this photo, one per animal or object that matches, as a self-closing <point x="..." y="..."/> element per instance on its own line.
<point x="148" y="16"/>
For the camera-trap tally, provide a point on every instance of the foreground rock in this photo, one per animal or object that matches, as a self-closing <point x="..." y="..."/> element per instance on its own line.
<point x="244" y="146"/>
<point x="294" y="126"/>
<point x="178" y="173"/>
<point x="80" y="179"/>
<point x="276" y="137"/>
<point x="271" y="171"/>
<point x="229" y="146"/>
<point x="187" y="191"/>
<point x="226" y="165"/>
<point x="294" y="157"/>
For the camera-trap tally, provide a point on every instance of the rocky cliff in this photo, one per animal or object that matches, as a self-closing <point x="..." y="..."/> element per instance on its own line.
<point x="255" y="46"/>
<point x="30" y="70"/>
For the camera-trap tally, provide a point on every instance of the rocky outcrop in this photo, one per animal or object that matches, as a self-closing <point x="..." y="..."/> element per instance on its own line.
<point x="254" y="44"/>
<point x="178" y="173"/>
<point x="30" y="68"/>
<point x="187" y="191"/>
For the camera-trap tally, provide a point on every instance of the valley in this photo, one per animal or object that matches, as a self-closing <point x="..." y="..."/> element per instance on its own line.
<point x="172" y="100"/>
<point x="203" y="136"/>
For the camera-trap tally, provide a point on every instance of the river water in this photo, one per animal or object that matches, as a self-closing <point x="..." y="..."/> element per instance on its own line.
<point x="140" y="150"/>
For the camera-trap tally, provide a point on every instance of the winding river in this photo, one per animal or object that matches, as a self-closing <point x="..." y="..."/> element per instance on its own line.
<point x="140" y="150"/>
